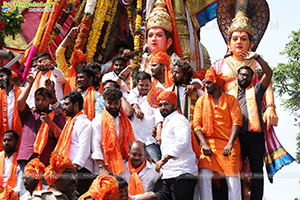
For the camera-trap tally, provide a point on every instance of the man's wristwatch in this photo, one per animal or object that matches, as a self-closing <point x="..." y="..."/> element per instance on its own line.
<point x="165" y="160"/>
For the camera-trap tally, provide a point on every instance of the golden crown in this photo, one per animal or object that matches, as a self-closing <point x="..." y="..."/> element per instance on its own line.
<point x="241" y="23"/>
<point x="159" y="17"/>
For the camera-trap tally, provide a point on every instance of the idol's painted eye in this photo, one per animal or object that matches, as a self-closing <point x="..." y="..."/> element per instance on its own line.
<point x="150" y="35"/>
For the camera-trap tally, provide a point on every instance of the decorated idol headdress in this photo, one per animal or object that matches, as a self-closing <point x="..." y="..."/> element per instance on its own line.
<point x="162" y="16"/>
<point x="251" y="16"/>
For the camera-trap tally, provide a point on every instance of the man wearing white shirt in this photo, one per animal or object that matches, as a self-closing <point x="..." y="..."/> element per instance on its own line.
<point x="143" y="119"/>
<point x="123" y="79"/>
<point x="179" y="165"/>
<point x="137" y="163"/>
<point x="45" y="70"/>
<point x="79" y="150"/>
<point x="8" y="159"/>
<point x="112" y="133"/>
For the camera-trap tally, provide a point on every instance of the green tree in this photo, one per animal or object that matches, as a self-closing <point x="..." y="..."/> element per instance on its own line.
<point x="286" y="81"/>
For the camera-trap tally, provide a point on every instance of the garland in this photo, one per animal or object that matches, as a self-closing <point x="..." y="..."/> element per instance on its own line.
<point x="111" y="20"/>
<point x="138" y="34"/>
<point x="85" y="25"/>
<point x="98" y="22"/>
<point x="78" y="13"/>
<point x="51" y="21"/>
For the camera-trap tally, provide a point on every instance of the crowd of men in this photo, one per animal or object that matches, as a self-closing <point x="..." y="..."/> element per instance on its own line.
<point x="83" y="131"/>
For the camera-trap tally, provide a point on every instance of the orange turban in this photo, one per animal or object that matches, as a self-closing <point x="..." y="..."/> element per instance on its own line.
<point x="212" y="76"/>
<point x="35" y="168"/>
<point x="103" y="187"/>
<point x="58" y="164"/>
<point x="161" y="58"/>
<point x="77" y="57"/>
<point x="168" y="96"/>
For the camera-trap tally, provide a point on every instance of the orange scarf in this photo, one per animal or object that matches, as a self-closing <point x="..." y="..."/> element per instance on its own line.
<point x="100" y="87"/>
<point x="71" y="80"/>
<point x="168" y="80"/>
<point x="116" y="149"/>
<point x="64" y="140"/>
<point x="208" y="118"/>
<point x="12" y="177"/>
<point x="135" y="185"/>
<point x="89" y="103"/>
<point x="253" y="118"/>
<point x="42" y="136"/>
<point x="37" y="80"/>
<point x="16" y="122"/>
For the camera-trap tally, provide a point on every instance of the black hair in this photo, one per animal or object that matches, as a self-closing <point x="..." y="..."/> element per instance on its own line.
<point x="116" y="58"/>
<point x="120" y="45"/>
<point x="121" y="182"/>
<point x="186" y="68"/>
<point x="34" y="59"/>
<point x="44" y="54"/>
<point x="113" y="82"/>
<point x="75" y="97"/>
<point x="137" y="142"/>
<point x="94" y="65"/>
<point x="6" y="71"/>
<point x="112" y="94"/>
<point x="14" y="133"/>
<point x="247" y="68"/>
<point x="143" y="76"/>
<point x="88" y="71"/>
<point x="44" y="92"/>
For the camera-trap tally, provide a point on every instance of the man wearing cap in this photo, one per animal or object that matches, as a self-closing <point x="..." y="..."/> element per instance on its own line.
<point x="178" y="164"/>
<point x="33" y="175"/>
<point x="61" y="176"/>
<point x="217" y="121"/>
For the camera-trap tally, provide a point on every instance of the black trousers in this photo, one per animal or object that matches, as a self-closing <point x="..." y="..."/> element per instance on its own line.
<point x="253" y="147"/>
<point x="179" y="188"/>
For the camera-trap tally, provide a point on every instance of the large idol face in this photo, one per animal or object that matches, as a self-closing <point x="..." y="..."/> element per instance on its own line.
<point x="157" y="40"/>
<point x="240" y="42"/>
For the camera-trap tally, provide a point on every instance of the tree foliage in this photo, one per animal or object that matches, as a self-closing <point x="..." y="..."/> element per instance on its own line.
<point x="286" y="80"/>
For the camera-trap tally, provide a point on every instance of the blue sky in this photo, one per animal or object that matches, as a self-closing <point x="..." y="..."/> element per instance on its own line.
<point x="284" y="18"/>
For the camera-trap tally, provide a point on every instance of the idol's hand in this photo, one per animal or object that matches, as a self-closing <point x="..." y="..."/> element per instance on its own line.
<point x="270" y="117"/>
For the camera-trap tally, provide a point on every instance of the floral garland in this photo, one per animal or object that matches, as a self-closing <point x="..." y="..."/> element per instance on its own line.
<point x="138" y="34"/>
<point x="85" y="25"/>
<point x="78" y="13"/>
<point x="98" y="22"/>
<point x="111" y="20"/>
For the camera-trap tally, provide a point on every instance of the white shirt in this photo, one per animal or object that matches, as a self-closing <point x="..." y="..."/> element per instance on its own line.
<point x="7" y="166"/>
<point x="142" y="128"/>
<point x="97" y="149"/>
<point x="113" y="76"/>
<point x="10" y="98"/>
<point x="57" y="76"/>
<point x="79" y="150"/>
<point x="176" y="141"/>
<point x="147" y="175"/>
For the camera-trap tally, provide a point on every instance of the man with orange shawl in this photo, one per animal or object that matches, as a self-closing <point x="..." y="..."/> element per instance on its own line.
<point x="93" y="103"/>
<point x="112" y="133"/>
<point x="77" y="60"/>
<point x="139" y="173"/>
<point x="75" y="139"/>
<point x="9" y="93"/>
<point x="61" y="176"/>
<point x="217" y="121"/>
<point x="33" y="175"/>
<point x="8" y="159"/>
<point x="160" y="69"/>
